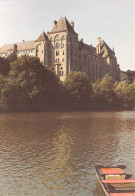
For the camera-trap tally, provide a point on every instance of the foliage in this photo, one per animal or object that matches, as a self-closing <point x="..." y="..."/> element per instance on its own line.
<point x="78" y="87"/>
<point x="4" y="66"/>
<point x="26" y="83"/>
<point x="103" y="91"/>
<point x="12" y="57"/>
<point x="39" y="82"/>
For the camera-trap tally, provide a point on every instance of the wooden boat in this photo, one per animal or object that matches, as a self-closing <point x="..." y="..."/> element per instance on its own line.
<point x="115" y="181"/>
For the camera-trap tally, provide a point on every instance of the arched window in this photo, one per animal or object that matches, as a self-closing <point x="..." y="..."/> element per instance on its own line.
<point x="57" y="45"/>
<point x="63" y="37"/>
<point x="57" y="53"/>
<point x="63" y="52"/>
<point x="62" y="41"/>
<point x="57" y="37"/>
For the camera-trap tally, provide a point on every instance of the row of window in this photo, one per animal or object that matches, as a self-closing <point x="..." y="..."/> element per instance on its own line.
<point x="57" y="45"/>
<point x="25" y="52"/>
<point x="58" y="38"/>
<point x="57" y="52"/>
<point x="58" y="60"/>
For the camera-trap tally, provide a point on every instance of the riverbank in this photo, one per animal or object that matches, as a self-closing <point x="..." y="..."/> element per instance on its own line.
<point x="63" y="107"/>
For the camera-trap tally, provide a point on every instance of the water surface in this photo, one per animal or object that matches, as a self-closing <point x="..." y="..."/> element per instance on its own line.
<point x="54" y="154"/>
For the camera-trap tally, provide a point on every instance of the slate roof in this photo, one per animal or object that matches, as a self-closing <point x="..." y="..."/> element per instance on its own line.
<point x="62" y="25"/>
<point x="84" y="46"/>
<point x="7" y="47"/>
<point x="20" y="46"/>
<point x="42" y="37"/>
<point x="26" y="45"/>
<point x="106" y="49"/>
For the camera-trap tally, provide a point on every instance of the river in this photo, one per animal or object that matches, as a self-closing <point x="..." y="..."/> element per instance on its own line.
<point x="54" y="153"/>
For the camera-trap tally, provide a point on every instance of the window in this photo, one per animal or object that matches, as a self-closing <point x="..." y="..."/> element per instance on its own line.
<point x="57" y="45"/>
<point x="61" y="73"/>
<point x="58" y="60"/>
<point x="61" y="68"/>
<point x="56" y="37"/>
<point x="63" y="52"/>
<point x="63" y="37"/>
<point x="57" y="53"/>
<point x="63" y="60"/>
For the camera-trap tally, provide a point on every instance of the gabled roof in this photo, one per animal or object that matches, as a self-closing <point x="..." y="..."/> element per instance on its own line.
<point x="106" y="50"/>
<point x="25" y="45"/>
<point x="7" y="47"/>
<point x="62" y="25"/>
<point x="42" y="37"/>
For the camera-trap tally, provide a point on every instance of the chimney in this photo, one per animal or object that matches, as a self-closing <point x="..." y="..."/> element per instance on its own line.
<point x="81" y="40"/>
<point x="54" y="23"/>
<point x="23" y="40"/>
<point x="72" y="24"/>
<point x="99" y="40"/>
<point x="98" y="47"/>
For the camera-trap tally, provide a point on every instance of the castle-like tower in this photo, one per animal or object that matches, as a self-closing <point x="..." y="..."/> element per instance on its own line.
<point x="61" y="50"/>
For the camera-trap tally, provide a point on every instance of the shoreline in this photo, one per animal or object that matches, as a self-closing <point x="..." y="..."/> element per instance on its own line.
<point x="62" y="108"/>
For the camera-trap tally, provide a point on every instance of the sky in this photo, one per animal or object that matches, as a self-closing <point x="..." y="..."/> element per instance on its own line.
<point x="112" y="20"/>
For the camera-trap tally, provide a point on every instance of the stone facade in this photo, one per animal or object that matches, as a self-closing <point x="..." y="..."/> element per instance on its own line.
<point x="61" y="50"/>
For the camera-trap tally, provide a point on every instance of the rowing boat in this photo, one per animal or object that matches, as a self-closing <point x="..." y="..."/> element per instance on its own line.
<point x="115" y="181"/>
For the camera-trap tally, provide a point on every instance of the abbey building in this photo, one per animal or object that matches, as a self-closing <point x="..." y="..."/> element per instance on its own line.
<point x="61" y="50"/>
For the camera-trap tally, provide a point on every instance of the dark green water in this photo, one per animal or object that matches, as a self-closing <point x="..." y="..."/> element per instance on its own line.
<point x="54" y="154"/>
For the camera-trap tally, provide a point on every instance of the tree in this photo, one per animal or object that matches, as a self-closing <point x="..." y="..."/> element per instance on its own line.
<point x="39" y="82"/>
<point x="130" y="98"/>
<point x="4" y="66"/>
<point x="78" y="87"/>
<point x="125" y="94"/>
<point x="121" y="93"/>
<point x="103" y="91"/>
<point x="12" y="57"/>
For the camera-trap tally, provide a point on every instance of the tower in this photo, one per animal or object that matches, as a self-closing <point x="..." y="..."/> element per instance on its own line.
<point x="64" y="42"/>
<point x="42" y="49"/>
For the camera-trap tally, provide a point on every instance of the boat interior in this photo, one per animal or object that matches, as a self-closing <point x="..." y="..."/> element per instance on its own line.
<point x="115" y="179"/>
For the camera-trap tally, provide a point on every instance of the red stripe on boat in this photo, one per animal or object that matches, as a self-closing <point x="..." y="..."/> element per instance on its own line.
<point x="118" y="181"/>
<point x="112" y="171"/>
<point x="122" y="194"/>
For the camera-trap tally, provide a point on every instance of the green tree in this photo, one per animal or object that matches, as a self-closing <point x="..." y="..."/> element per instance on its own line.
<point x="12" y="57"/>
<point x="39" y="83"/>
<point x="121" y="93"/>
<point x="103" y="91"/>
<point x="12" y="97"/>
<point x="4" y="66"/>
<point x="78" y="87"/>
<point x="130" y="98"/>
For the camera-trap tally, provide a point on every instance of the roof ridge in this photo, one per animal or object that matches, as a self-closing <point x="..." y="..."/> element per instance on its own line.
<point x="42" y="37"/>
<point x="62" y="25"/>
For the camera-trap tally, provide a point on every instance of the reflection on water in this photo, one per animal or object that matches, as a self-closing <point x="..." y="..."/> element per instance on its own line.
<point x="54" y="154"/>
